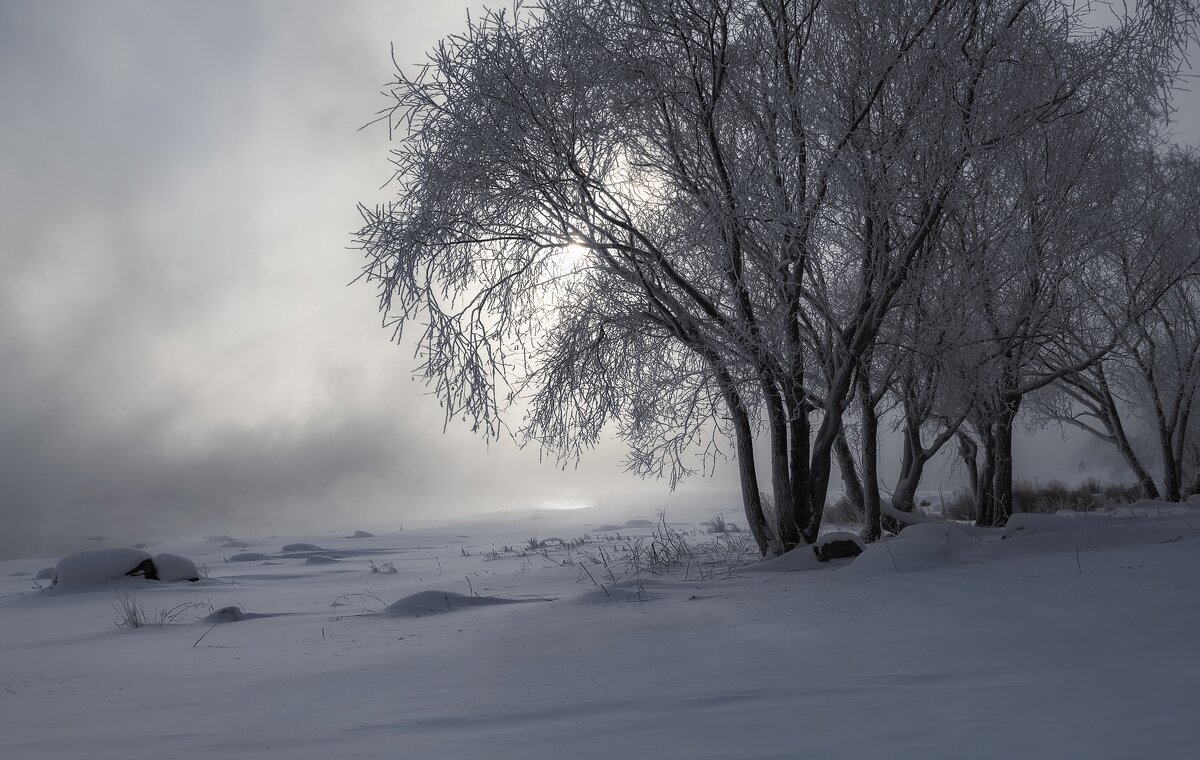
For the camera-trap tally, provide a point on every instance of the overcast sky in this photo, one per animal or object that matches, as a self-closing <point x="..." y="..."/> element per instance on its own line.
<point x="178" y="347"/>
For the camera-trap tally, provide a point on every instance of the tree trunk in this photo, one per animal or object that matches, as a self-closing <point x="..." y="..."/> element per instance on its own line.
<point x="985" y="506"/>
<point x="747" y="473"/>
<point x="872" y="528"/>
<point x="1002" y="488"/>
<point x="968" y="452"/>
<point x="851" y="484"/>
<point x="1111" y="417"/>
<point x="1172" y="487"/>
<point x="912" y="466"/>
<point x="787" y="528"/>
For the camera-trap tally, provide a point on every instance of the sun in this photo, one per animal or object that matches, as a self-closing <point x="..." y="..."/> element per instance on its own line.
<point x="572" y="256"/>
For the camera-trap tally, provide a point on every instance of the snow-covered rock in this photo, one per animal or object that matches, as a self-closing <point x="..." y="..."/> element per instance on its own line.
<point x="918" y="547"/>
<point x="800" y="558"/>
<point x="172" y="567"/>
<point x="838" y="544"/>
<point x="434" y="602"/>
<point x="100" y="566"/>
<point x="302" y="548"/>
<point x="97" y="567"/>
<point x="321" y="559"/>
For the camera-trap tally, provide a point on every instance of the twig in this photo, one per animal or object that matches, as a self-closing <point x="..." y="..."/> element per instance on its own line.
<point x="893" y="556"/>
<point x="599" y="585"/>
<point x="197" y="641"/>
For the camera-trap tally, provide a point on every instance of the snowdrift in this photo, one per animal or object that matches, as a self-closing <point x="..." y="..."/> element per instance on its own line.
<point x="435" y="602"/>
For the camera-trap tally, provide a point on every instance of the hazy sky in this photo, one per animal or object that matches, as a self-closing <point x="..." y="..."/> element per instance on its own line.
<point x="178" y="346"/>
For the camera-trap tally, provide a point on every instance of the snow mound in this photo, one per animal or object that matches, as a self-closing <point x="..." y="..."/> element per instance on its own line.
<point x="172" y="567"/>
<point x="248" y="557"/>
<point x="321" y="559"/>
<point x="800" y="558"/>
<point x="435" y="602"/>
<point x="1029" y="524"/>
<point x="96" y="567"/>
<point x="918" y="547"/>
<point x="232" y="614"/>
<point x="302" y="548"/>
<point x="45" y="574"/>
<point x="362" y="534"/>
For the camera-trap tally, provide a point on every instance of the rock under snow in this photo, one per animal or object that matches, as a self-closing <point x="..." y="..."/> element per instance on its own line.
<point x="918" y="547"/>
<point x="838" y="544"/>
<point x="321" y="559"/>
<point x="800" y="558"/>
<point x="172" y="567"/>
<point x="302" y="548"/>
<point x="434" y="602"/>
<point x="99" y="566"/>
<point x="248" y="557"/>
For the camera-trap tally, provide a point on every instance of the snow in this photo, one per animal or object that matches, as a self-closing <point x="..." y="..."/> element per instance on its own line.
<point x="941" y="642"/>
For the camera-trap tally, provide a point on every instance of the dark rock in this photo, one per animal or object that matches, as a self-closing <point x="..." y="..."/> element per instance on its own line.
<point x="146" y="569"/>
<point x="841" y="549"/>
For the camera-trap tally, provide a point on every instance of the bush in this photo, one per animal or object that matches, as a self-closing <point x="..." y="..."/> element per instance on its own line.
<point x="719" y="525"/>
<point x="1054" y="496"/>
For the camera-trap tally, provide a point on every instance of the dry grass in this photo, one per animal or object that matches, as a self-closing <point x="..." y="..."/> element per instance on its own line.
<point x="131" y="613"/>
<point x="1046" y="497"/>
<point x="842" y="511"/>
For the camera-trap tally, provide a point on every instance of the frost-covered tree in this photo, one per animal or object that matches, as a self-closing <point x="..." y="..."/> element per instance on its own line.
<point x="690" y="220"/>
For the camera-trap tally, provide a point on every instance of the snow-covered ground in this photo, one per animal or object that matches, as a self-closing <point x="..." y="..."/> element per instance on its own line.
<point x="1069" y="638"/>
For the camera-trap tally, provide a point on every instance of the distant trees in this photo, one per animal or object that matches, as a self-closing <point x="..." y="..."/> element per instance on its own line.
<point x="699" y="222"/>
